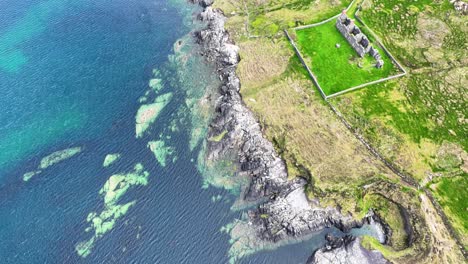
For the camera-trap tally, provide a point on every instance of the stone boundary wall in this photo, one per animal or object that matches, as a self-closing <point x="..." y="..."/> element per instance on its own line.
<point x="446" y="222"/>
<point x="387" y="52"/>
<point x="356" y="15"/>
<point x="377" y="40"/>
<point x="298" y="53"/>
<point x="326" y="20"/>
<point x="366" y="84"/>
<point x="428" y="193"/>
<point x="317" y="24"/>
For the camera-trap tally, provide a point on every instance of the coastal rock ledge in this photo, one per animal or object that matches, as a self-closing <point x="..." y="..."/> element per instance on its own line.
<point x="345" y="249"/>
<point x="284" y="211"/>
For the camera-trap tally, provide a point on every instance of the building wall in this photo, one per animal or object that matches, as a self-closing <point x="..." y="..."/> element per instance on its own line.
<point x="354" y="40"/>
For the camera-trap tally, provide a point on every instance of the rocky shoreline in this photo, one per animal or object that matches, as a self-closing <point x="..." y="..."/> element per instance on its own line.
<point x="284" y="211"/>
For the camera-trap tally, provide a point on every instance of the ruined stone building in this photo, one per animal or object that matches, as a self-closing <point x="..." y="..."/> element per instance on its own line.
<point x="357" y="39"/>
<point x="460" y="6"/>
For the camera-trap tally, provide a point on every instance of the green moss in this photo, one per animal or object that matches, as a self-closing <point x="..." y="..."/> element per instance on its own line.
<point x="397" y="16"/>
<point x="218" y="138"/>
<point x="410" y="115"/>
<point x="390" y="213"/>
<point x="263" y="26"/>
<point x="155" y="84"/>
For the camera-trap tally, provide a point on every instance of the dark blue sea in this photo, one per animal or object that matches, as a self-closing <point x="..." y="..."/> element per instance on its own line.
<point x="71" y="75"/>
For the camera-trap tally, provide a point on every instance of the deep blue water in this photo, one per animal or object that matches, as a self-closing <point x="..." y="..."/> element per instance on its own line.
<point x="71" y="73"/>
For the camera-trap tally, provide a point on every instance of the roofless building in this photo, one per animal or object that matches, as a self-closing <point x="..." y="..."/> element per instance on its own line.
<point x="357" y="39"/>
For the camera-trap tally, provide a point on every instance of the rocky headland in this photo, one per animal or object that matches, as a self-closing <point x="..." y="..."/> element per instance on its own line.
<point x="284" y="212"/>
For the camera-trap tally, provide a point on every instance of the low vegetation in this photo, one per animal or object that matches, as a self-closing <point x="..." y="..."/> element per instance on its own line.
<point x="452" y="195"/>
<point x="266" y="18"/>
<point x="391" y="213"/>
<point x="372" y="243"/>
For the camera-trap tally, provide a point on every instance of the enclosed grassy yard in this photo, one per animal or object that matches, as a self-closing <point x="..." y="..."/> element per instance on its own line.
<point x="338" y="69"/>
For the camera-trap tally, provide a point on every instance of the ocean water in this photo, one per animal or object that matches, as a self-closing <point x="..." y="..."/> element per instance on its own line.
<point x="72" y="74"/>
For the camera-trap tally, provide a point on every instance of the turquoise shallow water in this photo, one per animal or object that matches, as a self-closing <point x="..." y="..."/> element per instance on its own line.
<point x="70" y="68"/>
<point x="72" y="74"/>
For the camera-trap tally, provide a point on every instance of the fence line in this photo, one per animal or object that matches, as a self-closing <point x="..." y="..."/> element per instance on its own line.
<point x="356" y="15"/>
<point x="366" y="84"/>
<point x="324" y="21"/>
<point x="298" y="53"/>
<point x="316" y="24"/>
<point x="314" y="79"/>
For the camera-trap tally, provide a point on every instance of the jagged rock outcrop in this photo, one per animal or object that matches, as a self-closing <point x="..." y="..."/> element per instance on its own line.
<point x="256" y="156"/>
<point x="345" y="250"/>
<point x="290" y="214"/>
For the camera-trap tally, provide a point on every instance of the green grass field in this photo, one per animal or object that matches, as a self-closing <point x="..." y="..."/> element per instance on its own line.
<point x="452" y="195"/>
<point x="338" y="69"/>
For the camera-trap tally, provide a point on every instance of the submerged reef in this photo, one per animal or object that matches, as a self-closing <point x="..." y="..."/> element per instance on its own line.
<point x="58" y="156"/>
<point x="51" y="160"/>
<point x="114" y="188"/>
<point x="148" y="113"/>
<point x="155" y="84"/>
<point x="161" y="151"/>
<point x="110" y="158"/>
<point x="28" y="175"/>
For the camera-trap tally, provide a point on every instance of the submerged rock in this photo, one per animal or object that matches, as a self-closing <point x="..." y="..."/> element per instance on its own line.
<point x="114" y="188"/>
<point x="161" y="151"/>
<point x="58" y="156"/>
<point x="28" y="175"/>
<point x="51" y="160"/>
<point x="148" y="113"/>
<point x="110" y="158"/>
<point x="155" y="84"/>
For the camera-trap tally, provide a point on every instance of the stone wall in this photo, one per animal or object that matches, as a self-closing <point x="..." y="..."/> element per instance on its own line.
<point x="354" y="40"/>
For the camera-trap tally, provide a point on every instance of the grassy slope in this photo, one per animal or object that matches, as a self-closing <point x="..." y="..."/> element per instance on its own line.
<point x="412" y="121"/>
<point x="337" y="68"/>
<point x="453" y="197"/>
<point x="267" y="17"/>
<point x="391" y="213"/>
